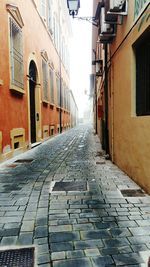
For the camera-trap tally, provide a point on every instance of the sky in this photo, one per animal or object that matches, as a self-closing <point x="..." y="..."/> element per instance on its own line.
<point x="80" y="58"/>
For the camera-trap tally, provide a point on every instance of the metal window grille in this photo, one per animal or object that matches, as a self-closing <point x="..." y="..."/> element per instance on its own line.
<point x="142" y="52"/>
<point x="51" y="86"/>
<point x="45" y="80"/>
<point x="16" y="54"/>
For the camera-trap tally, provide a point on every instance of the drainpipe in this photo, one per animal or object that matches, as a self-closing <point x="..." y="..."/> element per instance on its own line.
<point x="95" y="94"/>
<point x="106" y="101"/>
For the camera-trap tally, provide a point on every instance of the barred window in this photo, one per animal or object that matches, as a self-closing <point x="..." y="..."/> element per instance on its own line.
<point x="45" y="80"/>
<point x="142" y="54"/>
<point x="16" y="54"/>
<point x="51" y="76"/>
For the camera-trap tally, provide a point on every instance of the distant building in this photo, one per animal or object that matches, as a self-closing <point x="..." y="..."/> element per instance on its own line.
<point x="34" y="73"/>
<point x="122" y="45"/>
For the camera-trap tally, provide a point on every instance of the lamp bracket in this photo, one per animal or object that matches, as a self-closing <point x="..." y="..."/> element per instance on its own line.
<point x="89" y="19"/>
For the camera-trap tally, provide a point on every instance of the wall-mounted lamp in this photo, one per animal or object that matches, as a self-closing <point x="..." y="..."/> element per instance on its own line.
<point x="73" y="6"/>
<point x="99" y="67"/>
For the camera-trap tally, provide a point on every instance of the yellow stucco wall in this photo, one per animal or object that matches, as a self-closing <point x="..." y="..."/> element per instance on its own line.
<point x="129" y="134"/>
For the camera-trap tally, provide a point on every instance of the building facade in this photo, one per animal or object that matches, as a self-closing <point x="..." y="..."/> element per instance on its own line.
<point x="34" y="73"/>
<point x="123" y="84"/>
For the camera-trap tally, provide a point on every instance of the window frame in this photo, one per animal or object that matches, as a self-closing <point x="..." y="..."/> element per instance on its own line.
<point x="16" y="54"/>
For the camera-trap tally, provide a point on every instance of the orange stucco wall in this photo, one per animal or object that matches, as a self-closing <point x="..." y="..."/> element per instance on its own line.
<point x="129" y="134"/>
<point x="14" y="107"/>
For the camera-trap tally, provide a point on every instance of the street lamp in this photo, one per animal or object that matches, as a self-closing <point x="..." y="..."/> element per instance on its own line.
<point x="73" y="6"/>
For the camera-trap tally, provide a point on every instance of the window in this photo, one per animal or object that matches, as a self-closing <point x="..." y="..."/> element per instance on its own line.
<point x="49" y="19"/>
<point x="43" y="8"/>
<point x="51" y="76"/>
<point x="16" y="55"/>
<point x="58" y="91"/>
<point x="142" y="55"/>
<point x="45" y="80"/>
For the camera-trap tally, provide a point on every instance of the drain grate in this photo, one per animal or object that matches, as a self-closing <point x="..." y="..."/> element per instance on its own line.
<point x="132" y="193"/>
<point x="24" y="160"/>
<point x="70" y="186"/>
<point x="17" y="257"/>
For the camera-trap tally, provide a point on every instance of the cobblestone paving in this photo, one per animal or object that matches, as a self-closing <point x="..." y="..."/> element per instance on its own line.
<point x="95" y="227"/>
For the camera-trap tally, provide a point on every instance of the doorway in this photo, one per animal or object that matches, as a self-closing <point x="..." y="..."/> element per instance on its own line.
<point x="32" y="93"/>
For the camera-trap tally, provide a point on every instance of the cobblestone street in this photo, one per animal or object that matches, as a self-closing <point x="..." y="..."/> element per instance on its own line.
<point x="65" y="199"/>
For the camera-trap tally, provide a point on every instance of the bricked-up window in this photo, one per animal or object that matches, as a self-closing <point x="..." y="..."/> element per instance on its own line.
<point x="45" y="80"/>
<point x="51" y="77"/>
<point x="16" y="54"/>
<point x="142" y="54"/>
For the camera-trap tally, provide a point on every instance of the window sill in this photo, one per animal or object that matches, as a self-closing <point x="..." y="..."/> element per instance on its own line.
<point x="17" y="89"/>
<point x="45" y="101"/>
<point x="52" y="105"/>
<point x="1" y="82"/>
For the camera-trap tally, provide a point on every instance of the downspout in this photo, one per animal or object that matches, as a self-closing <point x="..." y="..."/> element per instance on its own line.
<point x="95" y="93"/>
<point x="106" y="101"/>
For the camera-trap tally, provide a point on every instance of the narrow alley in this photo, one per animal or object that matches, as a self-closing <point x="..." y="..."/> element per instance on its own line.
<point x="63" y="200"/>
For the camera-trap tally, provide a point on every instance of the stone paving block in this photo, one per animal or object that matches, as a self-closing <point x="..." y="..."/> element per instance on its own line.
<point x="88" y="244"/>
<point x="74" y="211"/>
<point x="27" y="226"/>
<point x="64" y="236"/>
<point x="61" y="246"/>
<point x="137" y="248"/>
<point x="8" y="241"/>
<point x="75" y="254"/>
<point x="102" y="261"/>
<point x="42" y="259"/>
<point x="41" y="221"/>
<point x="130" y="258"/>
<point x="11" y="225"/>
<point x="43" y="248"/>
<point x="9" y="232"/>
<point x="29" y="215"/>
<point x="145" y="230"/>
<point x="58" y="212"/>
<point x="104" y="225"/>
<point x="139" y="239"/>
<point x="92" y="252"/>
<point x="94" y="234"/>
<point x="41" y="231"/>
<point x="83" y="226"/>
<point x="41" y="241"/>
<point x="127" y="223"/>
<point x="119" y="232"/>
<point x="109" y="251"/>
<point x="69" y="221"/>
<point x="116" y="242"/>
<point x="25" y="238"/>
<point x="59" y="216"/>
<point x="82" y="262"/>
<point x="74" y="216"/>
<point x="59" y="206"/>
<point x="58" y="255"/>
<point x="60" y="228"/>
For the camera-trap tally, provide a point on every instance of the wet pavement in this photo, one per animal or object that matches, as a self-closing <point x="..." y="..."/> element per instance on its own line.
<point x="65" y="199"/>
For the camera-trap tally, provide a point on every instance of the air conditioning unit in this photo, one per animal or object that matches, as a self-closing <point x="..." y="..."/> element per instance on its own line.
<point x="105" y="27"/>
<point x="118" y="7"/>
